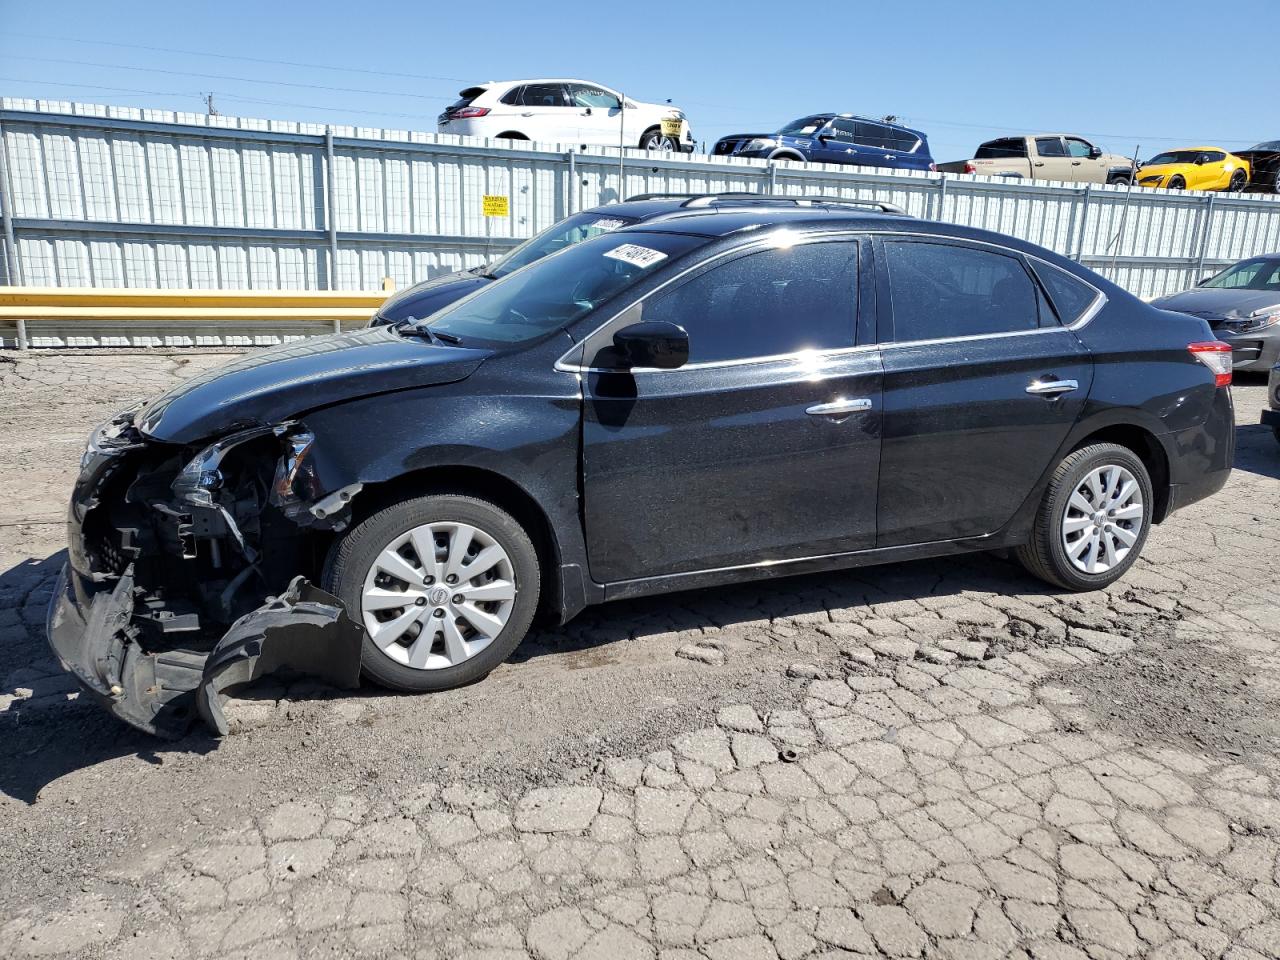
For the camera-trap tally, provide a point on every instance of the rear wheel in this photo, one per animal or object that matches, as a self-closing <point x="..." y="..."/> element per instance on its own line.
<point x="1177" y="182"/>
<point x="1239" y="180"/>
<point x="445" y="586"/>
<point x="1093" y="520"/>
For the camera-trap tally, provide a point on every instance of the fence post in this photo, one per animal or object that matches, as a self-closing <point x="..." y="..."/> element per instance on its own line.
<point x="942" y="195"/>
<point x="773" y="176"/>
<point x="10" y="242"/>
<point x="331" y="215"/>
<point x="572" y="200"/>
<point x="1084" y="214"/>
<point x="1206" y="221"/>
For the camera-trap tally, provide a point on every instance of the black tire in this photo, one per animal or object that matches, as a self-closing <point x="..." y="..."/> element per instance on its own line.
<point x="1177" y="182"/>
<point x="1044" y="555"/>
<point x="1275" y="181"/>
<point x="1239" y="180"/>
<point x="353" y="555"/>
<point x="511" y="135"/>
<point x="654" y="140"/>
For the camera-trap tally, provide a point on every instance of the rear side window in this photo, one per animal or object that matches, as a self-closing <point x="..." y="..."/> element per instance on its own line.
<point x="873" y="134"/>
<point x="1071" y="297"/>
<point x="1050" y="147"/>
<point x="940" y="291"/>
<point x="1002" y="149"/>
<point x="767" y="304"/>
<point x="544" y="95"/>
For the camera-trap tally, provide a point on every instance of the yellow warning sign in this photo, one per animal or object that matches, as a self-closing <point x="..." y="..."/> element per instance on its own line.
<point x="496" y="206"/>
<point x="672" y="128"/>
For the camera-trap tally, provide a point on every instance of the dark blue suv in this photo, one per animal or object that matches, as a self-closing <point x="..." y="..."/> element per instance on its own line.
<point x="835" y="138"/>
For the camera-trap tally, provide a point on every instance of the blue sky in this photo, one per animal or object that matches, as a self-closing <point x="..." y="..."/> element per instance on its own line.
<point x="962" y="71"/>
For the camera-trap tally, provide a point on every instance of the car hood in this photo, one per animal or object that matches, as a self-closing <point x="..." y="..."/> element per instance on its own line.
<point x="423" y="299"/>
<point x="265" y="388"/>
<point x="1217" y="302"/>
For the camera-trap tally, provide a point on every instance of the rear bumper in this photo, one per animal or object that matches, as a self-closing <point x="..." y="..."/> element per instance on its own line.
<point x="1201" y="457"/>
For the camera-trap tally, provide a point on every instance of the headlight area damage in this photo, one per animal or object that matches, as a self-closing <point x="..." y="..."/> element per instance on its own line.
<point x="181" y="579"/>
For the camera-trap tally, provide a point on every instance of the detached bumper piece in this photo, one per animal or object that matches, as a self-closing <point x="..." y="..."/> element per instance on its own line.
<point x="305" y="630"/>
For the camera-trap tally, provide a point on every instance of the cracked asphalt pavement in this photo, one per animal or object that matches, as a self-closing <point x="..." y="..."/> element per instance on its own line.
<point x="935" y="759"/>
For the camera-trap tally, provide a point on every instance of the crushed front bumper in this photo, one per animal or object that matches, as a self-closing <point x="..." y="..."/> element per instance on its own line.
<point x="304" y="630"/>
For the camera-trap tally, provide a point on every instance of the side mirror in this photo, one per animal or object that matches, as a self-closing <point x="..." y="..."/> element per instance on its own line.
<point x="587" y="112"/>
<point x="1095" y="153"/>
<point x="1204" y="280"/>
<point x="653" y="343"/>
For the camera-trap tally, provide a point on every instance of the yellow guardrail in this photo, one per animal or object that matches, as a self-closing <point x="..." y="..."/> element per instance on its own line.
<point x="110" y="304"/>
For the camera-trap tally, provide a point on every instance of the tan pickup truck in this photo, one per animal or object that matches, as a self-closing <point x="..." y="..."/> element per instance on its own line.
<point x="1045" y="156"/>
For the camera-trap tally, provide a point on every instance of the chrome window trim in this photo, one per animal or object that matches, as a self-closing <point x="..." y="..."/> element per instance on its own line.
<point x="1099" y="301"/>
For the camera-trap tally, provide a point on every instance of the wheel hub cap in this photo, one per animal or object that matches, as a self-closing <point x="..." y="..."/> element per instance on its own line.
<point x="438" y="594"/>
<point x="1103" y="519"/>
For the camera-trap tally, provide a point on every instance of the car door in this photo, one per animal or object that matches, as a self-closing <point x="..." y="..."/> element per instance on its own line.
<point x="981" y="384"/>
<point x="1051" y="161"/>
<point x="1211" y="171"/>
<point x="597" y="114"/>
<point x="765" y="445"/>
<point x="834" y="143"/>
<point x="544" y="113"/>
<point x="1085" y="166"/>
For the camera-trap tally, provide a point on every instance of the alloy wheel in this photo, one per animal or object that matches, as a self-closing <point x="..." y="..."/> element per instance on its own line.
<point x="438" y="594"/>
<point x="661" y="143"/>
<point x="1103" y="519"/>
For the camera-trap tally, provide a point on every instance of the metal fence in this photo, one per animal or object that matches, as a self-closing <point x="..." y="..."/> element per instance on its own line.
<point x="108" y="197"/>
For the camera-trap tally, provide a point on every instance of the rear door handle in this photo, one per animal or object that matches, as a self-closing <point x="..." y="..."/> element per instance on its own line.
<point x="1052" y="388"/>
<point x="839" y="409"/>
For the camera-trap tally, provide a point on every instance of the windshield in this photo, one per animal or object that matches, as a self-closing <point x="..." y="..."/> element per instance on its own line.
<point x="1257" y="274"/>
<point x="555" y="291"/>
<point x="804" y="127"/>
<point x="575" y="229"/>
<point x="1174" y="156"/>
<point x="1267" y="145"/>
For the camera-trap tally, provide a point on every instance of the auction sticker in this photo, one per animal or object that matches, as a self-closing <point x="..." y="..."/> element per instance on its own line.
<point x="607" y="224"/>
<point x="636" y="255"/>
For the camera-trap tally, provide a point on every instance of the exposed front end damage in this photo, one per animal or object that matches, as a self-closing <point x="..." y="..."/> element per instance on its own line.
<point x="186" y="573"/>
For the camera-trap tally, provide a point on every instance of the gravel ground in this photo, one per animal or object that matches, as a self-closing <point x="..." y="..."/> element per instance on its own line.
<point x="940" y="759"/>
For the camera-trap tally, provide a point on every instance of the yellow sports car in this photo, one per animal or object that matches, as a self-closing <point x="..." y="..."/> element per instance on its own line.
<point x="1195" y="168"/>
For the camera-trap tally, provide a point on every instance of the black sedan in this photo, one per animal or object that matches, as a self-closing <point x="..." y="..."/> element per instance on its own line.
<point x="719" y="396"/>
<point x="1264" y="165"/>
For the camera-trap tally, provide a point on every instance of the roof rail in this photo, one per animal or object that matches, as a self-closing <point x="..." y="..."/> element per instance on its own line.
<point x="711" y="199"/>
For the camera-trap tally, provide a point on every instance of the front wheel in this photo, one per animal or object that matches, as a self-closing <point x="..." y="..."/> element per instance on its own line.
<point x="1177" y="182"/>
<point x="654" y="140"/>
<point x="1093" y="520"/>
<point x="445" y="586"/>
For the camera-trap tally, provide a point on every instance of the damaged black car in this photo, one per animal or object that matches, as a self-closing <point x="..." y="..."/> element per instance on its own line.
<point x="720" y="395"/>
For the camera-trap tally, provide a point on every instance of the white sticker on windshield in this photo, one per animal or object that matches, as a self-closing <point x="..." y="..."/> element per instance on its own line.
<point x="636" y="255"/>
<point x="607" y="224"/>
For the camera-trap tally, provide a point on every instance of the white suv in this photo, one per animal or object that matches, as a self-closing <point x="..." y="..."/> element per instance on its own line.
<point x="564" y="111"/>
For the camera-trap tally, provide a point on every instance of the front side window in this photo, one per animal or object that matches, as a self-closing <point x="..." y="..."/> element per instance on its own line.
<point x="1259" y="274"/>
<point x="553" y="292"/>
<point x="940" y="291"/>
<point x="584" y="95"/>
<point x="1213" y="156"/>
<point x="571" y="230"/>
<point x="1050" y="147"/>
<point x="1078" y="148"/>
<point x="766" y="304"/>
<point x="804" y="127"/>
<point x="842" y="129"/>
<point x="544" y="95"/>
<point x="1173" y="156"/>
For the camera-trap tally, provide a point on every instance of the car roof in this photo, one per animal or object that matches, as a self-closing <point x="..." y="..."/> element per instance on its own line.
<point x="857" y="116"/>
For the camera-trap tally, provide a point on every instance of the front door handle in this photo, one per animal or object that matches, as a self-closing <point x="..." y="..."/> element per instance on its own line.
<point x="839" y="409"/>
<point x="1052" y="388"/>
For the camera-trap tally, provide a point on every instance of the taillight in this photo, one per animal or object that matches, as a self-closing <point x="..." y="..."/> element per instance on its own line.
<point x="969" y="167"/>
<point x="466" y="113"/>
<point x="1215" y="355"/>
<point x="933" y="168"/>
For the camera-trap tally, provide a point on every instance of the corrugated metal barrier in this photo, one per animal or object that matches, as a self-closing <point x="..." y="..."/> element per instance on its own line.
<point x="120" y="197"/>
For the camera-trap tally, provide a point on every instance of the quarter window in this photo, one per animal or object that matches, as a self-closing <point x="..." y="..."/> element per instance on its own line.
<point x="941" y="291"/>
<point x="1050" y="147"/>
<point x="513" y="97"/>
<point x="1072" y="297"/>
<point x="767" y="304"/>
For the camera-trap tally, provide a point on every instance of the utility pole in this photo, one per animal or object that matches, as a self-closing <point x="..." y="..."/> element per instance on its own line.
<point x="208" y="103"/>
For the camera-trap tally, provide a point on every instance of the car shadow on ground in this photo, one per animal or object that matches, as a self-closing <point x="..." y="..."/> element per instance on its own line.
<point x="1257" y="450"/>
